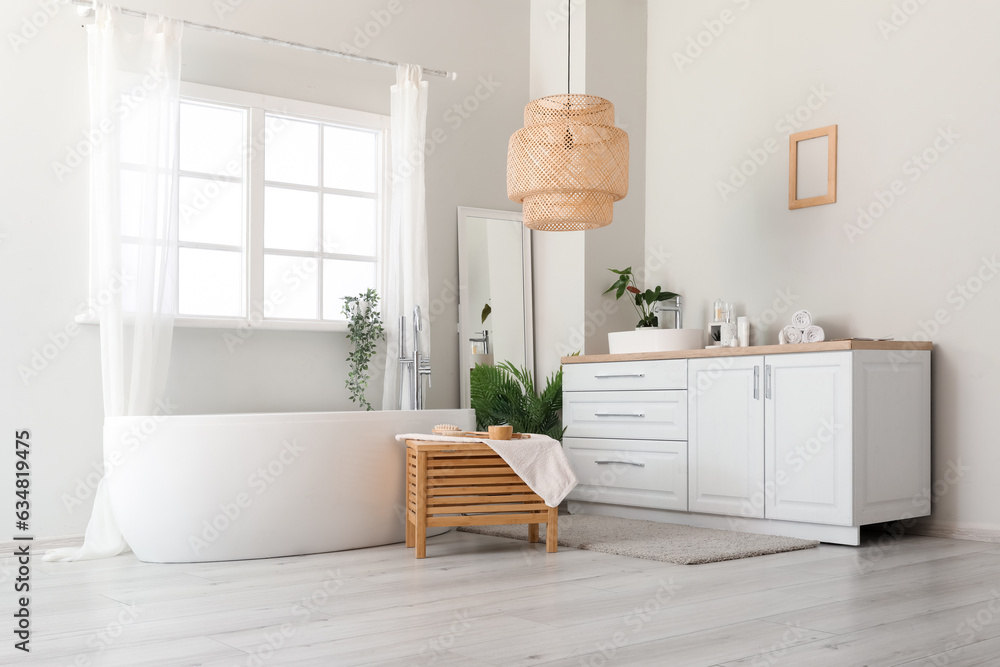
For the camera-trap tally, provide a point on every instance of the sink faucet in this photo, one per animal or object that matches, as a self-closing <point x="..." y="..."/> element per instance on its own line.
<point x="670" y="306"/>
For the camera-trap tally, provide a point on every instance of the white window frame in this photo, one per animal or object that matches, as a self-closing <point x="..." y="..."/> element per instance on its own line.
<point x="257" y="106"/>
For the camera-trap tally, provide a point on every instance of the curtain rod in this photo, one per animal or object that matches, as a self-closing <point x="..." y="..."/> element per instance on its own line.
<point x="279" y="42"/>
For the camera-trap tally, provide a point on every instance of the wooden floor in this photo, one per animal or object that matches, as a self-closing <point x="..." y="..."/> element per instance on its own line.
<point x="477" y="600"/>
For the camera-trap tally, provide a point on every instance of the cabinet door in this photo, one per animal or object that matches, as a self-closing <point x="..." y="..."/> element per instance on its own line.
<point x="726" y="436"/>
<point x="808" y="426"/>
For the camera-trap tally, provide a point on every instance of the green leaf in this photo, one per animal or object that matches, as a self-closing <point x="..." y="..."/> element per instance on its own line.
<point x="666" y="296"/>
<point x="505" y="394"/>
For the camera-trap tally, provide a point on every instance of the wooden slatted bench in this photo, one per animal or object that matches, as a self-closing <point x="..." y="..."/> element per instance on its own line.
<point x="468" y="484"/>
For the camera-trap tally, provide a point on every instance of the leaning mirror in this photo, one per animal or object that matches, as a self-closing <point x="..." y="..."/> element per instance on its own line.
<point x="494" y="277"/>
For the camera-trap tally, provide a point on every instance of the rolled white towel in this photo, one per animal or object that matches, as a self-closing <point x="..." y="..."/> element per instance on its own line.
<point x="802" y="319"/>
<point x="813" y="334"/>
<point x="792" y="334"/>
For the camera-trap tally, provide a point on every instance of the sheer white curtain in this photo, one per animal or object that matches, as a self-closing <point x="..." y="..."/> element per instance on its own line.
<point x="404" y="258"/>
<point x="135" y="112"/>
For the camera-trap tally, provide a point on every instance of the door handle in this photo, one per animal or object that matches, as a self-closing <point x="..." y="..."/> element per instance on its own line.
<point x="756" y="383"/>
<point x="620" y="375"/>
<point x="640" y="415"/>
<point x="628" y="463"/>
<point x="767" y="382"/>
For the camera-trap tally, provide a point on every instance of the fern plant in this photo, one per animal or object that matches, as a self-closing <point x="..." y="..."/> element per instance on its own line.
<point x="505" y="394"/>
<point x="364" y="330"/>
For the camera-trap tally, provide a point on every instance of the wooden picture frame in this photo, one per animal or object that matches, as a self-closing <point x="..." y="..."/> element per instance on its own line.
<point x="830" y="197"/>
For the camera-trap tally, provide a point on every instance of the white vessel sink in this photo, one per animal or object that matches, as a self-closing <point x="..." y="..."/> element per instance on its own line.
<point x="655" y="340"/>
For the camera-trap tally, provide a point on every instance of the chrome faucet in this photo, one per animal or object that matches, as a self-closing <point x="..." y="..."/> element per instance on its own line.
<point x="666" y="307"/>
<point x="417" y="365"/>
<point x="482" y="337"/>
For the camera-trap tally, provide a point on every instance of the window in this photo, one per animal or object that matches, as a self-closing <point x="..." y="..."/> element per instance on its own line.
<point x="281" y="208"/>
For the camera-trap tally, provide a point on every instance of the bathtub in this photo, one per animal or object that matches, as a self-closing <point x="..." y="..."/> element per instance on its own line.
<point x="230" y="487"/>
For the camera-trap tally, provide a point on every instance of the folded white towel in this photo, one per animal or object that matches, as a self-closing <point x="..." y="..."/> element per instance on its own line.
<point x="792" y="334"/>
<point x="802" y="319"/>
<point x="537" y="459"/>
<point x="813" y="334"/>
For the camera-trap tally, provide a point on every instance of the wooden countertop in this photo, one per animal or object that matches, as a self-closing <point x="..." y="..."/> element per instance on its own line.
<point x="825" y="346"/>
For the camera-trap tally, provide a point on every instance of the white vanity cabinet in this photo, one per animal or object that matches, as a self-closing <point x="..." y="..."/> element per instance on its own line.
<point x="812" y="443"/>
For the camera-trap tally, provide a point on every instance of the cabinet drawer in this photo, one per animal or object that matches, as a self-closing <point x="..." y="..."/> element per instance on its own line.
<point x="643" y="473"/>
<point x="637" y="415"/>
<point x="626" y="375"/>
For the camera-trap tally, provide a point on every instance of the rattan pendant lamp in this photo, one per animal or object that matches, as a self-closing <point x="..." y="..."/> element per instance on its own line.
<point x="569" y="163"/>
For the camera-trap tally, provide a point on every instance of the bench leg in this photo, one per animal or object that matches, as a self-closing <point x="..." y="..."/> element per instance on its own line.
<point x="552" y="530"/>
<point x="421" y="527"/>
<point x="421" y="538"/>
<point x="532" y="532"/>
<point x="410" y="531"/>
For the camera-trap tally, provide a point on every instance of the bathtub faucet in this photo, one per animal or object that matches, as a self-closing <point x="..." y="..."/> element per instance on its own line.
<point x="416" y="364"/>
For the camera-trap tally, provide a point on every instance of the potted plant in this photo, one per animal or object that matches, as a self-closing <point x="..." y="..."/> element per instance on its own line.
<point x="643" y="302"/>
<point x="364" y="330"/>
<point x="647" y="336"/>
<point x="505" y="394"/>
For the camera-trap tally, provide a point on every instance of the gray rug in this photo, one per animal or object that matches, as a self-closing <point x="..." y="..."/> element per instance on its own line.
<point x="651" y="540"/>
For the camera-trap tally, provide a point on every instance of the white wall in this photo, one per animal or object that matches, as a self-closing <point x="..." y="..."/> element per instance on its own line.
<point x="894" y="94"/>
<point x="43" y="231"/>
<point x="616" y="70"/>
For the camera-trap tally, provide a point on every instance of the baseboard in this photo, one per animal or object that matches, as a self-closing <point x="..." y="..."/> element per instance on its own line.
<point x="40" y="545"/>
<point x="954" y="532"/>
<point x="847" y="535"/>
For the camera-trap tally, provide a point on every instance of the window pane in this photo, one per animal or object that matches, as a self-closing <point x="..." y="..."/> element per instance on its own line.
<point x="349" y="159"/>
<point x="211" y="211"/>
<point x="291" y="218"/>
<point x="291" y="284"/>
<point x="344" y="278"/>
<point x="348" y="225"/>
<point x="291" y="152"/>
<point x="212" y="139"/>
<point x="210" y="282"/>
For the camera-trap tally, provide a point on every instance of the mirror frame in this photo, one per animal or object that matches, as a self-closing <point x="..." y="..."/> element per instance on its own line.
<point x="464" y="354"/>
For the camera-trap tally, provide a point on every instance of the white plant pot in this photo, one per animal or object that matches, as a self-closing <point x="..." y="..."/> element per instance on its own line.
<point x="648" y="339"/>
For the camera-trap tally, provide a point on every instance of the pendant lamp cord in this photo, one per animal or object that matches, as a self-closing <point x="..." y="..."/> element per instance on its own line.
<point x="569" y="43"/>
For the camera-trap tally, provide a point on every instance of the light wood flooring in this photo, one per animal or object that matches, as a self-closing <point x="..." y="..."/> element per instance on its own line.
<point x="477" y="600"/>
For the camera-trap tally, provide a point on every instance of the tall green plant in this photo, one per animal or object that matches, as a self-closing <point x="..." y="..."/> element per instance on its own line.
<point x="505" y="394"/>
<point x="364" y="330"/>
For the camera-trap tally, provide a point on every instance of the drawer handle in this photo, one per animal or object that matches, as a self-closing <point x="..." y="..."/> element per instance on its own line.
<point x="628" y="463"/>
<point x="620" y="375"/>
<point x="640" y="415"/>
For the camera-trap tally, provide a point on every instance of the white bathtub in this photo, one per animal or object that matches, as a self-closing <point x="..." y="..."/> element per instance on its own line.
<point x="230" y="487"/>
